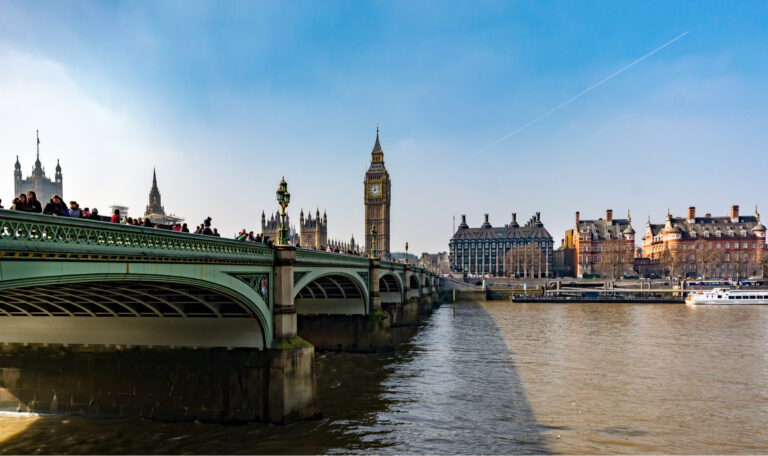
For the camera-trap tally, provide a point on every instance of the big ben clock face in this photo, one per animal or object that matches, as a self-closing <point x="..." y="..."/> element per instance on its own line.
<point x="374" y="189"/>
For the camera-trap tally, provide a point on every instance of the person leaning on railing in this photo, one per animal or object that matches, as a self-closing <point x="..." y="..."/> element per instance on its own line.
<point x="56" y="207"/>
<point x="20" y="203"/>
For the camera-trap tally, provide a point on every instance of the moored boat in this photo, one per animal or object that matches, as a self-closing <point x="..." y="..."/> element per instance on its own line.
<point x="725" y="296"/>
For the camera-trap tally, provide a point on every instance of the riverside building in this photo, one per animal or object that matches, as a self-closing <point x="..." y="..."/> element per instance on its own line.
<point x="726" y="246"/>
<point x="509" y="250"/>
<point x="604" y="247"/>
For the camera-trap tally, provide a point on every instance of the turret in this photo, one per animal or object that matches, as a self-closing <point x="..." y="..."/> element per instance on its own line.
<point x="57" y="177"/>
<point x="759" y="228"/>
<point x="263" y="222"/>
<point x="17" y="170"/>
<point x="463" y="225"/>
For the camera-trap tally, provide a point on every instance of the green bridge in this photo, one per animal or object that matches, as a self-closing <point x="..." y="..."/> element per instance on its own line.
<point x="231" y="326"/>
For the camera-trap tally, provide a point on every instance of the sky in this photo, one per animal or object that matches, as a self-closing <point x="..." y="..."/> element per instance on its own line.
<point x="223" y="99"/>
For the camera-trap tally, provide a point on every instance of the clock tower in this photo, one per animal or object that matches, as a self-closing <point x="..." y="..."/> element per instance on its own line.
<point x="378" y="195"/>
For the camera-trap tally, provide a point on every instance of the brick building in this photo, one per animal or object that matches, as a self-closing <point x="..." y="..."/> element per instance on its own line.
<point x="604" y="247"/>
<point x="728" y="246"/>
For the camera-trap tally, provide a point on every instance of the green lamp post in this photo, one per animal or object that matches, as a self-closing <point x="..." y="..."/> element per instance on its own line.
<point x="283" y="199"/>
<point x="406" y="252"/>
<point x="373" y="241"/>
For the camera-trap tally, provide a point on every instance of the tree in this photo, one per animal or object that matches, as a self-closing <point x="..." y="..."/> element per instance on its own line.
<point x="706" y="255"/>
<point x="762" y="264"/>
<point x="523" y="260"/>
<point x="671" y="261"/>
<point x="613" y="256"/>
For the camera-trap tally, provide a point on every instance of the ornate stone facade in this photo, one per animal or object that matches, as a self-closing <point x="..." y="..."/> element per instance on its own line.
<point x="155" y="211"/>
<point x="377" y="191"/>
<point x="270" y="227"/>
<point x="313" y="232"/>
<point x="43" y="187"/>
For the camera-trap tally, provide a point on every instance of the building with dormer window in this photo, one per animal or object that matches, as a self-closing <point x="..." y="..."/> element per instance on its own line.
<point x="604" y="247"/>
<point x="727" y="246"/>
<point x="509" y="250"/>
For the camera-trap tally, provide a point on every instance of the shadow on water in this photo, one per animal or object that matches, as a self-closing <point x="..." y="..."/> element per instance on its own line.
<point x="455" y="389"/>
<point x="452" y="388"/>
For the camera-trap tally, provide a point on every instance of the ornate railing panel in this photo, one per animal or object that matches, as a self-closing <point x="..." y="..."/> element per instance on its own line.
<point x="307" y="256"/>
<point x="26" y="232"/>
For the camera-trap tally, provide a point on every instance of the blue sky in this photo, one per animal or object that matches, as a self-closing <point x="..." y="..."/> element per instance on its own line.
<point x="225" y="98"/>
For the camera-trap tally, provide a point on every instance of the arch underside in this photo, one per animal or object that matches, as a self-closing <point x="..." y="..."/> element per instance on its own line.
<point x="389" y="289"/>
<point x="127" y="313"/>
<point x="331" y="294"/>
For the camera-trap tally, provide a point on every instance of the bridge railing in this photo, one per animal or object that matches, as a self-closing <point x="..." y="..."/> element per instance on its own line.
<point x="37" y="233"/>
<point x="309" y="256"/>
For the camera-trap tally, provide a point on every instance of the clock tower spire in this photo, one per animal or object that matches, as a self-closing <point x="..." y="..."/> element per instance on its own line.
<point x="377" y="196"/>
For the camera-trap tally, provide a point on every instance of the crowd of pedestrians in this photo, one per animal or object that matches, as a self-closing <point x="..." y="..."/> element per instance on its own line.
<point x="56" y="207"/>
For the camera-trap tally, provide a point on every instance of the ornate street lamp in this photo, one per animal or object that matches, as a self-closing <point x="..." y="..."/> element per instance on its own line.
<point x="373" y="241"/>
<point x="283" y="199"/>
<point x="406" y="252"/>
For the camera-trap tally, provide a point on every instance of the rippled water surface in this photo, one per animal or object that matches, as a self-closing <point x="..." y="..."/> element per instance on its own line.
<point x="497" y="377"/>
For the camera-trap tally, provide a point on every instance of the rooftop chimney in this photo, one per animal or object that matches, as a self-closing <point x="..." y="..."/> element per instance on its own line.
<point x="486" y="218"/>
<point x="609" y="215"/>
<point x="691" y="214"/>
<point x="514" y="218"/>
<point x="577" y="219"/>
<point x="734" y="213"/>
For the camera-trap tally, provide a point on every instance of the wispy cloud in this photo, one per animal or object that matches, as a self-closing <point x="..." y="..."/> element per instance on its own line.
<point x="577" y="96"/>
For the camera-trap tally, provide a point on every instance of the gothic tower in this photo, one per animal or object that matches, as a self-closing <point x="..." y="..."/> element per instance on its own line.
<point x="38" y="182"/>
<point x="154" y="207"/>
<point x="378" y="195"/>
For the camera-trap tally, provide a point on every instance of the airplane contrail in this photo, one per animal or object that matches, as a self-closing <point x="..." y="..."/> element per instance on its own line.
<point x="578" y="95"/>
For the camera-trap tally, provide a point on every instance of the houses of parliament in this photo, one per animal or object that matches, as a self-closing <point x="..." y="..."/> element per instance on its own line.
<point x="38" y="182"/>
<point x="377" y="196"/>
<point x="312" y="232"/>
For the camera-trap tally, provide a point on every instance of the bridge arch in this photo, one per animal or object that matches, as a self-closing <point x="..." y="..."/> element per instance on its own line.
<point x="414" y="282"/>
<point x="133" y="309"/>
<point x="331" y="292"/>
<point x="391" y="287"/>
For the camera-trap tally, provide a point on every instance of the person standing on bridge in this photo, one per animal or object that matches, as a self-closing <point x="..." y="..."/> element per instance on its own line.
<point x="20" y="203"/>
<point x="115" y="217"/>
<point x="74" y="210"/>
<point x="56" y="207"/>
<point x="33" y="204"/>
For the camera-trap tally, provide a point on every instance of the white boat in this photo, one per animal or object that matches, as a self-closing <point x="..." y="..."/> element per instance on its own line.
<point x="725" y="296"/>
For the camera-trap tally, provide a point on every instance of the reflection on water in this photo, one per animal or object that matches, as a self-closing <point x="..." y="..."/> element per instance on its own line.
<point x="499" y="378"/>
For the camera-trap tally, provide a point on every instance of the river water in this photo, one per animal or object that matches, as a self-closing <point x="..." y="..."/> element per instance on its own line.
<point x="496" y="377"/>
